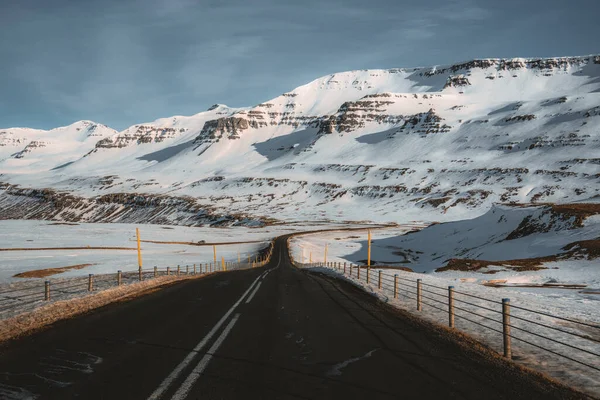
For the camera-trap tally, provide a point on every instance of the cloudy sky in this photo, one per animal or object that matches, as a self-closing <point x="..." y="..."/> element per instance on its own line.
<point x="121" y="62"/>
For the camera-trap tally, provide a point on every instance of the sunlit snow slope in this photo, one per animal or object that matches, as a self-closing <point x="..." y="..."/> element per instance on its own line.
<point x="394" y="145"/>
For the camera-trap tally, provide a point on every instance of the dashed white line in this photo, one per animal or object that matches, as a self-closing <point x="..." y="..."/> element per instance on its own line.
<point x="162" y="388"/>
<point x="253" y="293"/>
<point x="195" y="374"/>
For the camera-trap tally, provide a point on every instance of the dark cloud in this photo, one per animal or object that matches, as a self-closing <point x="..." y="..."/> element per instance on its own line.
<point x="122" y="62"/>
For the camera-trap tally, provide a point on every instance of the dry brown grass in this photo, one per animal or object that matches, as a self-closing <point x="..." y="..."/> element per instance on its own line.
<point x="42" y="273"/>
<point x="519" y="265"/>
<point x="64" y="309"/>
<point x="201" y="244"/>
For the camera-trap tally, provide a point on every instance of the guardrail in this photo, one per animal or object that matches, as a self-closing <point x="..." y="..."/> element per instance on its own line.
<point x="570" y="339"/>
<point x="19" y="297"/>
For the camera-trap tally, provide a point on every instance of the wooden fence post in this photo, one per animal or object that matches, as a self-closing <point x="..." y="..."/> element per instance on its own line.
<point x="47" y="290"/>
<point x="178" y="270"/>
<point x="344" y="268"/>
<point x="379" y="280"/>
<point x="368" y="274"/>
<point x="90" y="282"/>
<point x="506" y="328"/>
<point x="419" y="283"/>
<point x="194" y="269"/>
<point x="168" y="271"/>
<point x="120" y="277"/>
<point x="358" y="272"/>
<point x="155" y="271"/>
<point x="396" y="286"/>
<point x="451" y="306"/>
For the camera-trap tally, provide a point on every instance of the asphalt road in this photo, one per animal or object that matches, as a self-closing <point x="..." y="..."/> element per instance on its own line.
<point x="275" y="332"/>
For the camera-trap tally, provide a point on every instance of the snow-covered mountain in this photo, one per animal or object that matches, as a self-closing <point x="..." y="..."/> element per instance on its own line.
<point x="436" y="143"/>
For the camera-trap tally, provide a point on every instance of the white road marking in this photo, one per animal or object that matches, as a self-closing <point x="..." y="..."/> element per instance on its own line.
<point x="253" y="293"/>
<point x="162" y="388"/>
<point x="195" y="374"/>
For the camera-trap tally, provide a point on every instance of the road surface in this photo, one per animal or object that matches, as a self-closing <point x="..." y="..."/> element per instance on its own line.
<point x="275" y="332"/>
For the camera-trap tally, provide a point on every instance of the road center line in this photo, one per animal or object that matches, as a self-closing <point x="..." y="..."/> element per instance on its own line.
<point x="162" y="388"/>
<point x="195" y="374"/>
<point x="253" y="293"/>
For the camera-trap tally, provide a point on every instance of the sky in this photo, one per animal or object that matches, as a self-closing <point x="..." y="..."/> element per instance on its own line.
<point x="122" y="62"/>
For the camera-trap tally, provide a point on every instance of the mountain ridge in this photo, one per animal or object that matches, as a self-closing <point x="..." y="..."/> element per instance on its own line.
<point x="432" y="143"/>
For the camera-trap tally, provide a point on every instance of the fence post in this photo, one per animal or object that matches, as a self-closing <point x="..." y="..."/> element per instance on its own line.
<point x="194" y="269"/>
<point x="47" y="290"/>
<point x="379" y="280"/>
<point x="178" y="270"/>
<point x="140" y="274"/>
<point x="168" y="271"/>
<point x="187" y="269"/>
<point x="155" y="271"/>
<point x="396" y="286"/>
<point x="451" y="306"/>
<point x="419" y="283"/>
<point x="344" y="268"/>
<point x="90" y="282"/>
<point x="120" y="277"/>
<point x="506" y="327"/>
<point x="368" y="274"/>
<point x="358" y="272"/>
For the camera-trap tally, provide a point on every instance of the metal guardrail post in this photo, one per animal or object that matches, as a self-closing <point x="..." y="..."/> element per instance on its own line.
<point x="379" y="280"/>
<point x="506" y="328"/>
<point x="396" y="286"/>
<point x="90" y="282"/>
<point x="155" y="271"/>
<point x="419" y="283"/>
<point x="47" y="290"/>
<point x="120" y="277"/>
<point x="451" y="306"/>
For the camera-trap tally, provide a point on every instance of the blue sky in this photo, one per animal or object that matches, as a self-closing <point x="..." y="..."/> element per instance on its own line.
<point x="121" y="62"/>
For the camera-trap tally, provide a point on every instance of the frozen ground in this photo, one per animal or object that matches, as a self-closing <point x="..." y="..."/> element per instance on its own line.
<point x="44" y="234"/>
<point x="482" y="238"/>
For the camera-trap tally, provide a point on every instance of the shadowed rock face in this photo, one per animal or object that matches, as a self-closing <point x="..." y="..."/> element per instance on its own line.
<point x="142" y="134"/>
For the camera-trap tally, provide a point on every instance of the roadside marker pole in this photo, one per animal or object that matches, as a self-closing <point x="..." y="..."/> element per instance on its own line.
<point x="451" y="306"/>
<point x="369" y="252"/>
<point x="139" y="251"/>
<point x="506" y="328"/>
<point x="325" y="258"/>
<point x="419" y="283"/>
<point x="239" y="257"/>
<point x="215" y="253"/>
<point x="223" y="266"/>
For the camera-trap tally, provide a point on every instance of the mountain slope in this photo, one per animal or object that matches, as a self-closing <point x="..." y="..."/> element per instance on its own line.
<point x="436" y="143"/>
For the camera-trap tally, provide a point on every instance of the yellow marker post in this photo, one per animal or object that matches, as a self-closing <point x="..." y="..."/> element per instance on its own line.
<point x="223" y="266"/>
<point x="325" y="258"/>
<point x="139" y="249"/>
<point x="215" y="253"/>
<point x="369" y="251"/>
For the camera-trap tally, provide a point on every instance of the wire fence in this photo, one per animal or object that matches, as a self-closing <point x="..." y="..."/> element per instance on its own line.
<point x="20" y="297"/>
<point x="518" y="332"/>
